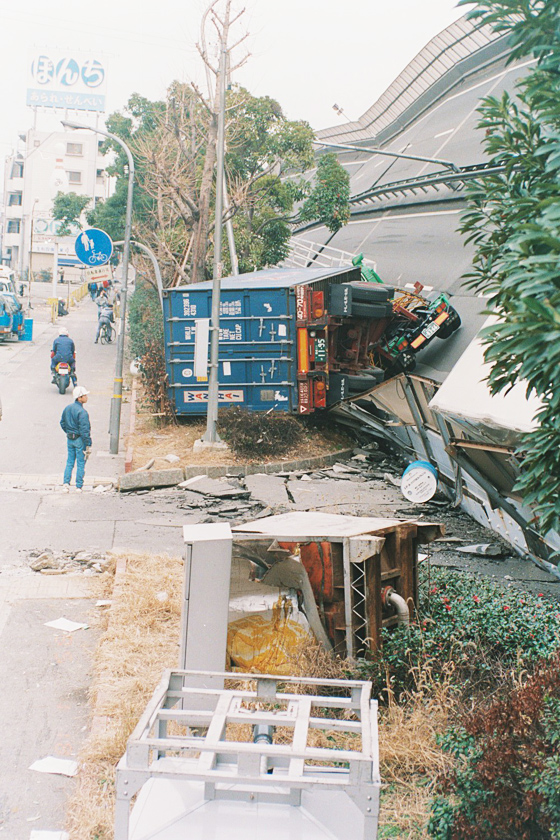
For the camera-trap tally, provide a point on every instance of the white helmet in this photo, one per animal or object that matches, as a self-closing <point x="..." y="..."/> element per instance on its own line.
<point x="79" y="391"/>
<point x="63" y="331"/>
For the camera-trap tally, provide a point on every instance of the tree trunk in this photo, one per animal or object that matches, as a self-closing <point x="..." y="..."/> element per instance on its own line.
<point x="200" y="248"/>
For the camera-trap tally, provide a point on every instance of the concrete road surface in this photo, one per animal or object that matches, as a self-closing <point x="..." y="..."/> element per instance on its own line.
<point x="31" y="440"/>
<point x="45" y="673"/>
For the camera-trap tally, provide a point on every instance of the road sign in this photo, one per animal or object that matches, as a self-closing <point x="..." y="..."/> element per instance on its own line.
<point x="97" y="275"/>
<point x="93" y="247"/>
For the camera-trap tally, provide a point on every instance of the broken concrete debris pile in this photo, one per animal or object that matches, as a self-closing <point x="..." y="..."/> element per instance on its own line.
<point x="49" y="562"/>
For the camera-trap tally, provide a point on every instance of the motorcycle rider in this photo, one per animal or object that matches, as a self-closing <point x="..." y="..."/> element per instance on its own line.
<point x="64" y="350"/>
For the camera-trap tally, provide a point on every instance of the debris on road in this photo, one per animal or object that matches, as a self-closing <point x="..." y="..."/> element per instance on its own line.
<point x="221" y="489"/>
<point x="66" y="625"/>
<point x="47" y="561"/>
<point x="147" y="479"/>
<point x="482" y="550"/>
<point x="59" y="766"/>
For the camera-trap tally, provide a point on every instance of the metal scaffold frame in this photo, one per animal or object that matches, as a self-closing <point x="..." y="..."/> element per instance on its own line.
<point x="203" y="746"/>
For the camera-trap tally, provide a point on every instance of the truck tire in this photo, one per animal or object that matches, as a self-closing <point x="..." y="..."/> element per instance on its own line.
<point x="358" y="384"/>
<point x="453" y="323"/>
<point x="371" y="292"/>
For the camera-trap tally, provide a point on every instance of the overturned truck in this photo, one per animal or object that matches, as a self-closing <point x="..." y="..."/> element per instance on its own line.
<point x="296" y="340"/>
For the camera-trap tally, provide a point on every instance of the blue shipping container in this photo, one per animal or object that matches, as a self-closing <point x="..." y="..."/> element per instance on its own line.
<point x="258" y="338"/>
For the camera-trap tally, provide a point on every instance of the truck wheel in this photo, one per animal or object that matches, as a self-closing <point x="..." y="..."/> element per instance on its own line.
<point x="453" y="323"/>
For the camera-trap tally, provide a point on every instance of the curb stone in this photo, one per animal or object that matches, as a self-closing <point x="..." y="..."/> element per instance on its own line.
<point x="151" y="478"/>
<point x="219" y="471"/>
<point x="131" y="426"/>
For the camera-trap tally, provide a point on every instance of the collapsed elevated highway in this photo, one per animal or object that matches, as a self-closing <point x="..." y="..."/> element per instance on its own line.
<point x="405" y="217"/>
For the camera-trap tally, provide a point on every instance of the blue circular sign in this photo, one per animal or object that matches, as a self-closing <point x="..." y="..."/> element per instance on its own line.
<point x="93" y="247"/>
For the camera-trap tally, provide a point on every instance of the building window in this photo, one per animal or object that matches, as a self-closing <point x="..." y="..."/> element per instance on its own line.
<point x="14" y="199"/>
<point x="76" y="149"/>
<point x="99" y="173"/>
<point x="100" y="144"/>
<point x="74" y="177"/>
<point x="13" y="226"/>
<point x="17" y="170"/>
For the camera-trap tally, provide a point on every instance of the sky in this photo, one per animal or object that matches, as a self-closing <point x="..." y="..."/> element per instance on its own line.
<point x="307" y="54"/>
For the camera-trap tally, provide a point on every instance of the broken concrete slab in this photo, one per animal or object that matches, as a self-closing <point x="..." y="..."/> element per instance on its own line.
<point x="268" y="489"/>
<point x="344" y="468"/>
<point x="150" y="478"/>
<point x="312" y="495"/>
<point x="214" y="487"/>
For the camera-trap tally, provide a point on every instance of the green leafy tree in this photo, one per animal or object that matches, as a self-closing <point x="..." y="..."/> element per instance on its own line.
<point x="329" y="200"/>
<point x="513" y="219"/>
<point x="68" y="208"/>
<point x="174" y="148"/>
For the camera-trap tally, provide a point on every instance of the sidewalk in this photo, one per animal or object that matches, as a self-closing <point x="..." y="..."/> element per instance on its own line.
<point x="31" y="441"/>
<point x="45" y="673"/>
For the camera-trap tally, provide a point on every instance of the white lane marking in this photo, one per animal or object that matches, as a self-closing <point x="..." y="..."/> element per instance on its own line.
<point x="443" y="133"/>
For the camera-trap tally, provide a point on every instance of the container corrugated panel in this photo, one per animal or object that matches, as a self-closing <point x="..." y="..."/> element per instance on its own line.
<point x="260" y="384"/>
<point x="257" y="351"/>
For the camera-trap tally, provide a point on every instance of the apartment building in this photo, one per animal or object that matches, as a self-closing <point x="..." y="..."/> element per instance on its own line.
<point x="44" y="164"/>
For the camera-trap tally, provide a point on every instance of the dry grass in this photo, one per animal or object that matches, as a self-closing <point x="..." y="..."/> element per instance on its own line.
<point x="153" y="439"/>
<point x="141" y="640"/>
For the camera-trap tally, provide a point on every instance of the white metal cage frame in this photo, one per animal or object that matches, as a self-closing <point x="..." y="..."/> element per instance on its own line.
<point x="203" y="747"/>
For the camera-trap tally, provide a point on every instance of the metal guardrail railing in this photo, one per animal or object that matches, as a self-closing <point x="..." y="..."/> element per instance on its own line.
<point x="72" y="299"/>
<point x="463" y="43"/>
<point x="304" y="254"/>
<point x="366" y="200"/>
<point x="78" y="294"/>
<point x="454" y="181"/>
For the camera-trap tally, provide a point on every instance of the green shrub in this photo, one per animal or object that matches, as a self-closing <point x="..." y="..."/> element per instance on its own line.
<point x="147" y="344"/>
<point x="254" y="435"/>
<point x="504" y="783"/>
<point x="471" y="626"/>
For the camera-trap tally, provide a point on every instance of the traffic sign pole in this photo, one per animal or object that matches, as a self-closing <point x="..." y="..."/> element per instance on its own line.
<point x="116" y="402"/>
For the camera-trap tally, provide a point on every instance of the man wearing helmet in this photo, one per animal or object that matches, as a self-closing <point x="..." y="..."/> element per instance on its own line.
<point x="75" y="423"/>
<point x="64" y="350"/>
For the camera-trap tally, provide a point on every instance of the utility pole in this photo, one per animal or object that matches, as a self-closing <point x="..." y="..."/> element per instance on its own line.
<point x="211" y="435"/>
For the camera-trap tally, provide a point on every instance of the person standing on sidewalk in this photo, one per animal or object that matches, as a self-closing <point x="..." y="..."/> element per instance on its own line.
<point x="75" y="423"/>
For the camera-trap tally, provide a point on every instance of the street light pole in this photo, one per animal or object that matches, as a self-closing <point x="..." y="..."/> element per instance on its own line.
<point x="447" y="163"/>
<point x="116" y="401"/>
<point x="152" y="256"/>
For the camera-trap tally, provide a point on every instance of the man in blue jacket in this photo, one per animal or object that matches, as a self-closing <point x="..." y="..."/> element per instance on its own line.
<point x="64" y="350"/>
<point x="75" y="423"/>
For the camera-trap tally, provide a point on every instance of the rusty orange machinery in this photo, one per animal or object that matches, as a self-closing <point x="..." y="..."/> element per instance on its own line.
<point x="312" y="346"/>
<point x="328" y="345"/>
<point x="395" y="566"/>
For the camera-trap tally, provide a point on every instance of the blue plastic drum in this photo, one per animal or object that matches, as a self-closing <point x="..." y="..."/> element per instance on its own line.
<point x="419" y="481"/>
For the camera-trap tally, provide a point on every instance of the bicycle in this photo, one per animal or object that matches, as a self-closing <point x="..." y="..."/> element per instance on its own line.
<point x="108" y="334"/>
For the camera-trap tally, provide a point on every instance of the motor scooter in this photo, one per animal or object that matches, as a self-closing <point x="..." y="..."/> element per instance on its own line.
<point x="62" y="376"/>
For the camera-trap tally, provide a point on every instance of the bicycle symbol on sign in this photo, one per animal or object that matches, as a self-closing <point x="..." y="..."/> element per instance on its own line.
<point x="97" y="257"/>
